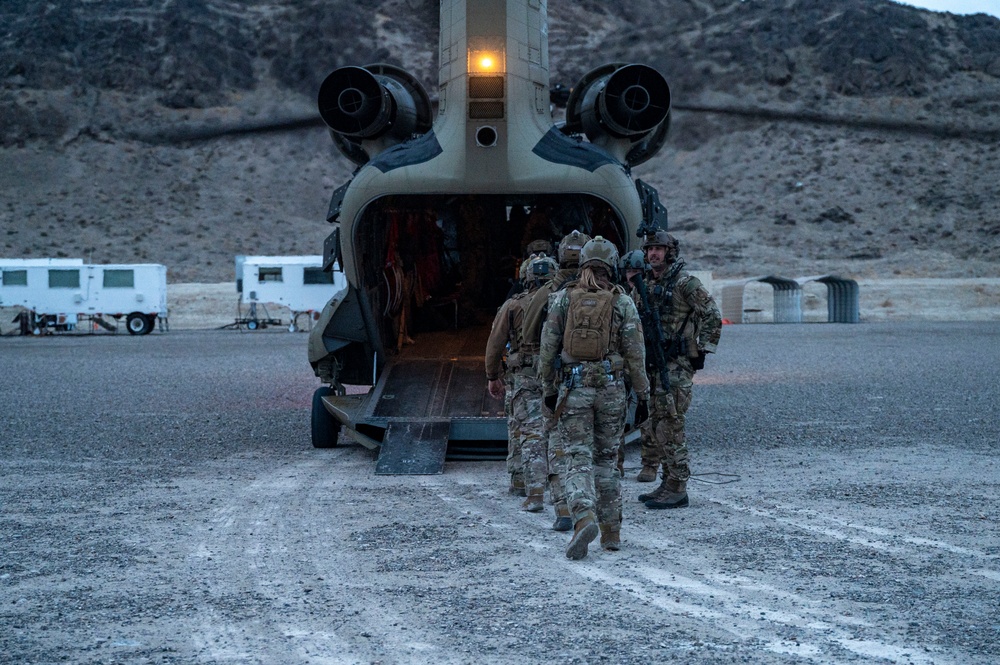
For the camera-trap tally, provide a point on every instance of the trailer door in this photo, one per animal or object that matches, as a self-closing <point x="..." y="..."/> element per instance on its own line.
<point x="90" y="288"/>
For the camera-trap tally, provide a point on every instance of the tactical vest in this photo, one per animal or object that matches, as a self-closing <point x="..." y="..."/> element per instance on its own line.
<point x="515" y="320"/>
<point x="589" y="318"/>
<point x="536" y="311"/>
<point x="679" y="330"/>
<point x="534" y="316"/>
<point x="663" y="291"/>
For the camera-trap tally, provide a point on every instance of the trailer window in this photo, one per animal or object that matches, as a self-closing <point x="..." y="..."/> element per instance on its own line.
<point x="119" y="279"/>
<point x="316" y="276"/>
<point x="64" y="279"/>
<point x="15" y="277"/>
<point x="269" y="275"/>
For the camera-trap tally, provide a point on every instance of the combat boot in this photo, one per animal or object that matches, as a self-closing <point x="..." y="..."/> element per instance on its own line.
<point x="647" y="474"/>
<point x="516" y="484"/>
<point x="611" y="536"/>
<point x="535" y="501"/>
<point x="563" y="521"/>
<point x="584" y="532"/>
<point x="661" y="489"/>
<point x="675" y="496"/>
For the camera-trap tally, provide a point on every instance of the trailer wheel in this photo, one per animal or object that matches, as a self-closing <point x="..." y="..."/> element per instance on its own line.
<point x="138" y="324"/>
<point x="325" y="428"/>
<point x="252" y="324"/>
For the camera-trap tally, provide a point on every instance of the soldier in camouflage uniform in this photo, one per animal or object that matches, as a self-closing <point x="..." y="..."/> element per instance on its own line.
<point x="527" y="388"/>
<point x="497" y="351"/>
<point x="568" y="253"/>
<point x="632" y="264"/>
<point x="591" y="337"/>
<point x="535" y="249"/>
<point x="691" y="325"/>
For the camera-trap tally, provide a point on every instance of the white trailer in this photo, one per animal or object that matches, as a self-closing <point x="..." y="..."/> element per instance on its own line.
<point x="55" y="295"/>
<point x="296" y="282"/>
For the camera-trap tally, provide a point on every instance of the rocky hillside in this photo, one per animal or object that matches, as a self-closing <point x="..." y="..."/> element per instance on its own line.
<point x="808" y="135"/>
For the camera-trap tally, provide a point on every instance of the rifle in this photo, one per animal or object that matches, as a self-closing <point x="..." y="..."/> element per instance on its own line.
<point x="655" y="344"/>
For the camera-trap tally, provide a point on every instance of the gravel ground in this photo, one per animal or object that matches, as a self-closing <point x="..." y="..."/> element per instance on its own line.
<point x="161" y="503"/>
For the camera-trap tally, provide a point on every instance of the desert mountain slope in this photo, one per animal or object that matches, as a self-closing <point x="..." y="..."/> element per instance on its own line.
<point x="808" y="135"/>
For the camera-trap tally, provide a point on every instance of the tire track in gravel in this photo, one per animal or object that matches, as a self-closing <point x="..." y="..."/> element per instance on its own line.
<point x="748" y="611"/>
<point x="286" y="528"/>
<point x="616" y="571"/>
<point x="248" y="537"/>
<point x="803" y="519"/>
<point x="827" y="620"/>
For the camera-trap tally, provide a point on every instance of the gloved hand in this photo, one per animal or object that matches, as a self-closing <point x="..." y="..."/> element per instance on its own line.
<point x="699" y="362"/>
<point x="550" y="402"/>
<point x="641" y="412"/>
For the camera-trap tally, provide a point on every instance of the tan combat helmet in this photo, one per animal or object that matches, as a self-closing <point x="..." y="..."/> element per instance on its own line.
<point x="543" y="269"/>
<point x="569" y="249"/>
<point x="663" y="239"/>
<point x="538" y="247"/>
<point x="522" y="273"/>
<point x="634" y="260"/>
<point x="601" y="251"/>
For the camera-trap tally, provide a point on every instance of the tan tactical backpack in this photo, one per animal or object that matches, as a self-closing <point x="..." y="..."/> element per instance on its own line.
<point x="588" y="324"/>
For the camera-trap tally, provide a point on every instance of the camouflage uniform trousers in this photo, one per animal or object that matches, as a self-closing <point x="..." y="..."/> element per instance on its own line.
<point x="587" y="437"/>
<point x="666" y="423"/>
<point x="651" y="453"/>
<point x="514" y="465"/>
<point x="527" y="408"/>
<point x="556" y="491"/>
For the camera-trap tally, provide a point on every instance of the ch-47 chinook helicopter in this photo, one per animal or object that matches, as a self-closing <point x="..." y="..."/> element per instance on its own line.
<point x="435" y="219"/>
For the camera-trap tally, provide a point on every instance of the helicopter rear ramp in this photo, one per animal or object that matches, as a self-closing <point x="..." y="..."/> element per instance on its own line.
<point x="414" y="448"/>
<point x="431" y="400"/>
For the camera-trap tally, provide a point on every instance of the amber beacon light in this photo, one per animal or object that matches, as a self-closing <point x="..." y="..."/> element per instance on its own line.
<point x="486" y="62"/>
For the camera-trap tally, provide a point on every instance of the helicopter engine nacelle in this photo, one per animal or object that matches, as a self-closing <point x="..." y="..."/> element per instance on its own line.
<point x="371" y="108"/>
<point x="624" y="108"/>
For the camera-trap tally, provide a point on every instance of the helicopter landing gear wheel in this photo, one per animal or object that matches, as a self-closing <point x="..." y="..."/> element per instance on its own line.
<point x="325" y="428"/>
